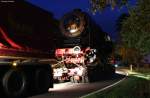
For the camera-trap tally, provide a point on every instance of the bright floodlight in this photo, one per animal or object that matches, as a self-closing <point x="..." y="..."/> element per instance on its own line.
<point x="73" y="30"/>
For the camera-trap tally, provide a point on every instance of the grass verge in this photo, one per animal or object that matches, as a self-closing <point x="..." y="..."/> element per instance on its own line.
<point x="137" y="85"/>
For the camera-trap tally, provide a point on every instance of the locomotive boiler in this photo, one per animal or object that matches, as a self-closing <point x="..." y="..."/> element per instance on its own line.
<point x="84" y="48"/>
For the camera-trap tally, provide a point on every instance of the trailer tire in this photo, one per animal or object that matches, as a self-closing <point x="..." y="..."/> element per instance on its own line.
<point x="14" y="83"/>
<point x="42" y="80"/>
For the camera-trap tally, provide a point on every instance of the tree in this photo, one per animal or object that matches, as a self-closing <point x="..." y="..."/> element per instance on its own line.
<point x="120" y="20"/>
<point x="99" y="5"/>
<point x="135" y="31"/>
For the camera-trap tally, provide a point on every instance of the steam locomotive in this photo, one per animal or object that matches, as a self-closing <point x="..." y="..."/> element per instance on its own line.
<point x="84" y="48"/>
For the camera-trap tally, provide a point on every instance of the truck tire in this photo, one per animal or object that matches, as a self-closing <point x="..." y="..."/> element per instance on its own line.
<point x="42" y="80"/>
<point x="14" y="83"/>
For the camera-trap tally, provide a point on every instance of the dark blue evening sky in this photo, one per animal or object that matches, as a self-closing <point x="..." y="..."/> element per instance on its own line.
<point x="106" y="19"/>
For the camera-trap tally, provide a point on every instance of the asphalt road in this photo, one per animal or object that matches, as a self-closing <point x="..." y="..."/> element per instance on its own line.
<point x="76" y="90"/>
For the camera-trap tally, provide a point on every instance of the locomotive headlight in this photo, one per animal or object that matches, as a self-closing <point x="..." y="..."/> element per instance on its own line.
<point x="72" y="24"/>
<point x="73" y="28"/>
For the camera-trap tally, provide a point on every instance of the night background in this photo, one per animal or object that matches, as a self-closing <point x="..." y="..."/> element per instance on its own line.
<point x="106" y="19"/>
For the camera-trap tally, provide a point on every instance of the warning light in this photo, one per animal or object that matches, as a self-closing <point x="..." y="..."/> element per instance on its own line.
<point x="14" y="64"/>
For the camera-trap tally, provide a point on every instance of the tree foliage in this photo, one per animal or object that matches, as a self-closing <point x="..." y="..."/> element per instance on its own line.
<point x="120" y="20"/>
<point x="135" y="31"/>
<point x="99" y="5"/>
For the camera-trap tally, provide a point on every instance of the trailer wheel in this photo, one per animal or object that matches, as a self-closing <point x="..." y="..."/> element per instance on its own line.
<point x="42" y="80"/>
<point x="14" y="83"/>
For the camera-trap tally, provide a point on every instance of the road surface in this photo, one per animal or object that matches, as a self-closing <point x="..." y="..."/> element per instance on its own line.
<point x="76" y="90"/>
